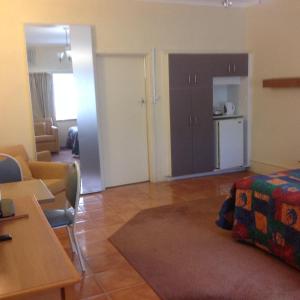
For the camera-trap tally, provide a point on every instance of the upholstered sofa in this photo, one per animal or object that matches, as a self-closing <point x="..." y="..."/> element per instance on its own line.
<point x="46" y="135"/>
<point x="52" y="173"/>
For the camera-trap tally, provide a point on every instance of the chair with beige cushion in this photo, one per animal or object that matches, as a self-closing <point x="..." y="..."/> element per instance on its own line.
<point x="53" y="174"/>
<point x="46" y="136"/>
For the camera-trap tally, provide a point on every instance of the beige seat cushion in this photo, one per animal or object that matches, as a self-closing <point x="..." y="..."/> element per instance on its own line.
<point x="24" y="167"/>
<point x="56" y="186"/>
<point x="45" y="138"/>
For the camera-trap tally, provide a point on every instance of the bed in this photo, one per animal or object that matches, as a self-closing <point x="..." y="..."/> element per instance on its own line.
<point x="72" y="140"/>
<point x="264" y="210"/>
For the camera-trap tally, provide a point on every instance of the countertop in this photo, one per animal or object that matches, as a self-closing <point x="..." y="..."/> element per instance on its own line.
<point x="227" y="117"/>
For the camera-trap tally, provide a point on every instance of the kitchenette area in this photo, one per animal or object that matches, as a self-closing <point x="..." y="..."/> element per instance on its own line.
<point x="209" y="113"/>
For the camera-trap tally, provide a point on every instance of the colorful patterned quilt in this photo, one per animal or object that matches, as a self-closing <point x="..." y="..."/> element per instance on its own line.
<point x="265" y="211"/>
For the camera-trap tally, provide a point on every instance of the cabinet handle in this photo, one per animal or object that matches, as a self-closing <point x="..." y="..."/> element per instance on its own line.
<point x="189" y="79"/>
<point x="190" y="121"/>
<point x="229" y="68"/>
<point x="195" y="79"/>
<point x="196" y="121"/>
<point x="234" y="68"/>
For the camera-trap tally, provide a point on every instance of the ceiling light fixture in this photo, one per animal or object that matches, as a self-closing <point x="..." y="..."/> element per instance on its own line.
<point x="66" y="54"/>
<point x="227" y="3"/>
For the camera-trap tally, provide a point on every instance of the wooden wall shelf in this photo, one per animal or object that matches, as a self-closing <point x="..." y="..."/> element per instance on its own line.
<point x="282" y="83"/>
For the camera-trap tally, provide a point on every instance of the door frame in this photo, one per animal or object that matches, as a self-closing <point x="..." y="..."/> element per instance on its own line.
<point x="150" y="112"/>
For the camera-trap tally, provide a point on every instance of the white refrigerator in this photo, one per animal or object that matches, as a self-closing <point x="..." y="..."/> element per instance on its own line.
<point x="229" y="134"/>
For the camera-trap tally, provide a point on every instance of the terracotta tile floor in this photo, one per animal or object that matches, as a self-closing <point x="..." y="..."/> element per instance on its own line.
<point x="108" y="275"/>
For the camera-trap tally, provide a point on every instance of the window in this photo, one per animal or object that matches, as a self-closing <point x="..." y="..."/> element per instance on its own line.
<point x="65" y="98"/>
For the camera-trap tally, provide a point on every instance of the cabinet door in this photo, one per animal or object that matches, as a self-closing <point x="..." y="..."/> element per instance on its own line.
<point x="203" y="130"/>
<point x="203" y="69"/>
<point x="181" y="132"/>
<point x="239" y="64"/>
<point x="181" y="73"/>
<point x="230" y="65"/>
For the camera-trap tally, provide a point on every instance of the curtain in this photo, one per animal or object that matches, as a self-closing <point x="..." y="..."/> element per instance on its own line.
<point x="41" y="88"/>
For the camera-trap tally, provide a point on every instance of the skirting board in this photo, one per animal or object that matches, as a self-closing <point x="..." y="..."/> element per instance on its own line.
<point x="267" y="168"/>
<point x="215" y="172"/>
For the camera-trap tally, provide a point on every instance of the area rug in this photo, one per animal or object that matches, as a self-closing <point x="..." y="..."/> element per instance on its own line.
<point x="181" y="253"/>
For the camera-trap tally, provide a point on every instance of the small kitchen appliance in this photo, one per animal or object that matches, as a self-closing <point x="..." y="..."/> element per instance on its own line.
<point x="229" y="108"/>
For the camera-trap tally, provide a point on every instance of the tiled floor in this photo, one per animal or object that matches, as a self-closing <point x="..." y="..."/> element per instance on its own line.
<point x="108" y="275"/>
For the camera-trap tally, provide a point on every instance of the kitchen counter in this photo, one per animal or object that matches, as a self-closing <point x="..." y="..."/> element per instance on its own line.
<point x="227" y="117"/>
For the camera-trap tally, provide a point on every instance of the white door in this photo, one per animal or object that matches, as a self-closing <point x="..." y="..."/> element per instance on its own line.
<point x="121" y="92"/>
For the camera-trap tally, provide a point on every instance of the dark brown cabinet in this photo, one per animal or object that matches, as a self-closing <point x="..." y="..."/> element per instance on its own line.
<point x="181" y="132"/>
<point x="181" y="71"/>
<point x="189" y="70"/>
<point x="230" y="65"/>
<point x="203" y="130"/>
<point x="191" y="107"/>
<point x="191" y="131"/>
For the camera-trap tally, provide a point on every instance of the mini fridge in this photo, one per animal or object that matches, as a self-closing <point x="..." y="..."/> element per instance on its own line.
<point x="229" y="135"/>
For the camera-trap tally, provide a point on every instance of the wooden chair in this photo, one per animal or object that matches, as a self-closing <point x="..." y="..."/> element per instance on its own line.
<point x="67" y="217"/>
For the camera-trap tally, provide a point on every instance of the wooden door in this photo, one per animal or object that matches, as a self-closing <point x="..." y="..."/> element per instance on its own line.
<point x="181" y="132"/>
<point x="203" y="129"/>
<point x="121" y="92"/>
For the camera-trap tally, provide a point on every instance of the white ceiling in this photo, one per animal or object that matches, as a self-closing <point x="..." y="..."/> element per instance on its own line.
<point x="236" y="3"/>
<point x="45" y="35"/>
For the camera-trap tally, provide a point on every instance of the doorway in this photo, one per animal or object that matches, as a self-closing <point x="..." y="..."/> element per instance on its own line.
<point x="122" y="94"/>
<point x="63" y="97"/>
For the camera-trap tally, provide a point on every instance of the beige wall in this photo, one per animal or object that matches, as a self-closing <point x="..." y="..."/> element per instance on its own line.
<point x="273" y="39"/>
<point x="126" y="26"/>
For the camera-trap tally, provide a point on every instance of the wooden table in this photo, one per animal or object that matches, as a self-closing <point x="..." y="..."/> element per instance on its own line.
<point x="34" y="265"/>
<point x="29" y="188"/>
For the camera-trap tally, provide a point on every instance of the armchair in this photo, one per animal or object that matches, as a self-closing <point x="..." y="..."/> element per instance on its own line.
<point x="53" y="174"/>
<point x="46" y="136"/>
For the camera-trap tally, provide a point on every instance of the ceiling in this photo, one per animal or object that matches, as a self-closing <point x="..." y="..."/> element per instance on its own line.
<point x="236" y="3"/>
<point x="45" y="35"/>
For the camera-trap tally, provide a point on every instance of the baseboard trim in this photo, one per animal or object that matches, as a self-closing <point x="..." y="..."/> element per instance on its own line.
<point x="267" y="168"/>
<point x="215" y="172"/>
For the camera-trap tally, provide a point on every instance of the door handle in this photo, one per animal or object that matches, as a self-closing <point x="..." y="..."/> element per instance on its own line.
<point x="234" y="68"/>
<point x="229" y="68"/>
<point x="142" y="101"/>
<point x="196" y="121"/>
<point x="190" y="121"/>
<point x="190" y="79"/>
<point x="195" y="79"/>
